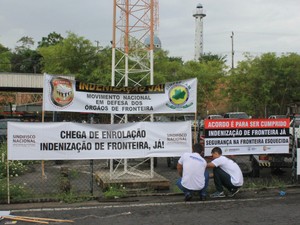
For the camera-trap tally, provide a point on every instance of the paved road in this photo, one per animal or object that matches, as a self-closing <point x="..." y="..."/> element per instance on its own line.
<point x="251" y="207"/>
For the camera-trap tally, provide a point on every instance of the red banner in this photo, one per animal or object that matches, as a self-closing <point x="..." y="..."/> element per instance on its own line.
<point x="246" y="123"/>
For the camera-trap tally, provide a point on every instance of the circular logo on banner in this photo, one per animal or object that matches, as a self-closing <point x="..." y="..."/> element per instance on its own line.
<point x="179" y="95"/>
<point x="62" y="93"/>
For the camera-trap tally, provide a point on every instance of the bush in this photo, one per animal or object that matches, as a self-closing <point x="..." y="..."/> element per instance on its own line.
<point x="16" y="191"/>
<point x="16" y="167"/>
<point x="115" y="191"/>
<point x="72" y="197"/>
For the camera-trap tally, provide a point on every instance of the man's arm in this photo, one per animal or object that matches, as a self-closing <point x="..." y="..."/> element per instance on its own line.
<point x="210" y="165"/>
<point x="179" y="169"/>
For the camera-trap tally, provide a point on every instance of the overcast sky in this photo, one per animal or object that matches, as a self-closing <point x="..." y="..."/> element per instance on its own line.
<point x="259" y="26"/>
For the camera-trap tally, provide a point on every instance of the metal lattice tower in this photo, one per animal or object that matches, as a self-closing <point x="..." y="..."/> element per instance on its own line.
<point x="132" y="57"/>
<point x="132" y="60"/>
<point x="199" y="15"/>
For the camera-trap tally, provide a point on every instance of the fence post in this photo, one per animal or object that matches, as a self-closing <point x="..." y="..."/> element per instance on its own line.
<point x="7" y="175"/>
<point x="92" y="177"/>
<point x="91" y="117"/>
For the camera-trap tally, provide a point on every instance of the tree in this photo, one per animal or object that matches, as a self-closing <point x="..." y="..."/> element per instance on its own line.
<point x="265" y="85"/>
<point x="52" y="39"/>
<point x="5" y="57"/>
<point x="26" y="43"/>
<point x="73" y="55"/>
<point x="24" y="59"/>
<point x="206" y="57"/>
<point x="166" y="69"/>
<point x="101" y="73"/>
<point x="289" y="78"/>
<point x="210" y="76"/>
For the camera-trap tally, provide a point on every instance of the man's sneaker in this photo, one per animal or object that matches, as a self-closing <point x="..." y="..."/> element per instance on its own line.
<point x="218" y="194"/>
<point x="188" y="197"/>
<point x="233" y="192"/>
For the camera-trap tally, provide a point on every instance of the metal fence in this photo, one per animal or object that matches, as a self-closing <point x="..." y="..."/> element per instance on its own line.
<point x="51" y="180"/>
<point x="81" y="179"/>
<point x="78" y="180"/>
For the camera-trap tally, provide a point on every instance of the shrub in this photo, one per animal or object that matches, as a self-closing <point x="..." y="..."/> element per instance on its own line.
<point x="16" y="167"/>
<point x="72" y="197"/>
<point x="16" y="191"/>
<point x="115" y="191"/>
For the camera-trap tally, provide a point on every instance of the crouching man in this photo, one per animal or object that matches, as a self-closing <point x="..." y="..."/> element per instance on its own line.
<point x="193" y="174"/>
<point x="227" y="173"/>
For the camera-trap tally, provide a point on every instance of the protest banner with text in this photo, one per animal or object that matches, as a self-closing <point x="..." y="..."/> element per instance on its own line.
<point x="62" y="94"/>
<point x="70" y="141"/>
<point x="247" y="136"/>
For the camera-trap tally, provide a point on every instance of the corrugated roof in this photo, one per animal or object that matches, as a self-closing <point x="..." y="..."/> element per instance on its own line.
<point x="23" y="81"/>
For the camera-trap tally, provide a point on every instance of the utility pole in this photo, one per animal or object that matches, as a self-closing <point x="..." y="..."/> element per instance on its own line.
<point x="232" y="51"/>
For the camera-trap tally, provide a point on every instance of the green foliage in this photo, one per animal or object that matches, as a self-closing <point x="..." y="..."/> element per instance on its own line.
<point x="166" y="69"/>
<point x="72" y="197"/>
<point x="115" y="191"/>
<point x="274" y="182"/>
<point x="52" y="39"/>
<point x="16" y="168"/>
<point x="206" y="57"/>
<point x="72" y="55"/>
<point x="210" y="75"/>
<point x="73" y="174"/>
<point x="265" y="85"/>
<point x="16" y="191"/>
<point x="101" y="71"/>
<point x="5" y="58"/>
<point x="26" y="42"/>
<point x="26" y="61"/>
<point x="260" y="86"/>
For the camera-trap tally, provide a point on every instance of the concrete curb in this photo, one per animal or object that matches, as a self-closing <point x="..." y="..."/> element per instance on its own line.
<point x="157" y="198"/>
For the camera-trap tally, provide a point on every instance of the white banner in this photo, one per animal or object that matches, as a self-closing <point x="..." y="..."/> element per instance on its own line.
<point x="67" y="141"/>
<point x="61" y="94"/>
<point x="247" y="136"/>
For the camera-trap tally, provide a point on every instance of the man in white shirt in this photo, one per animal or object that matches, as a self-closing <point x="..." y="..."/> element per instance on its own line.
<point x="226" y="172"/>
<point x="193" y="174"/>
